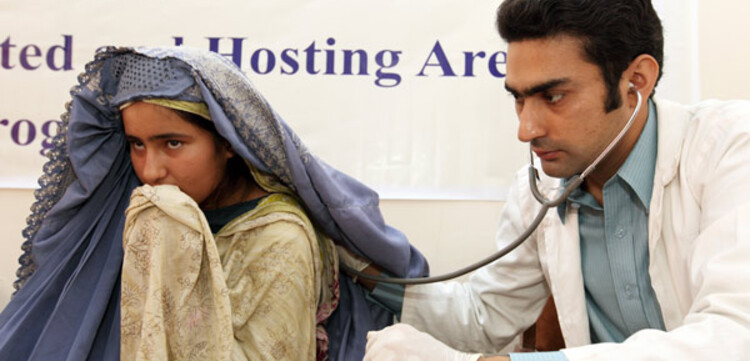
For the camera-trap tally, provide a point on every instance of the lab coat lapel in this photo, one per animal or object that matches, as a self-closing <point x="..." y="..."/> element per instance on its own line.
<point x="563" y="255"/>
<point x="562" y="250"/>
<point x="672" y="123"/>
<point x="671" y="126"/>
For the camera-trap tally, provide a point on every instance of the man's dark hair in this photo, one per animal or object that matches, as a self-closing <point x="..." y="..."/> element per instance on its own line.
<point x="613" y="32"/>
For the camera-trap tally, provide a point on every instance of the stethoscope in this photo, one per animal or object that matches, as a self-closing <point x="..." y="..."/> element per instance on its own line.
<point x="546" y="203"/>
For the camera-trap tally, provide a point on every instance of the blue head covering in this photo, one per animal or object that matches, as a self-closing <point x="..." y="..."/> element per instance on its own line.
<point x="67" y="303"/>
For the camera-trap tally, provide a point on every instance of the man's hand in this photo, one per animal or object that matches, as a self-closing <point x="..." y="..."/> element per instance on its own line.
<point x="403" y="342"/>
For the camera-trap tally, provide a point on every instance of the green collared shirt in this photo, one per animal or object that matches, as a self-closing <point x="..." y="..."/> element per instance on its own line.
<point x="614" y="245"/>
<point x="614" y="249"/>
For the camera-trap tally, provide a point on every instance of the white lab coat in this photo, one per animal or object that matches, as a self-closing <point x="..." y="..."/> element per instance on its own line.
<point x="699" y="246"/>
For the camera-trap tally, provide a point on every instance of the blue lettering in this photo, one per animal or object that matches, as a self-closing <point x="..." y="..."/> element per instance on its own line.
<point x="289" y="60"/>
<point x="442" y="61"/>
<point x="67" y="50"/>
<point x="5" y="46"/>
<point x="469" y="61"/>
<point x="330" y="57"/>
<point x="25" y="56"/>
<point x="48" y="135"/>
<point x="348" y="55"/>
<point x="380" y="60"/>
<point x="270" y="61"/>
<point x="236" y="54"/>
<point x="263" y="61"/>
<point x="15" y="132"/>
<point x="494" y="62"/>
<point x="310" y="58"/>
<point x="31" y="51"/>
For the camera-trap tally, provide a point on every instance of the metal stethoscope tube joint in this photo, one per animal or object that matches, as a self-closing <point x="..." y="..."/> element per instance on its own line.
<point x="546" y="204"/>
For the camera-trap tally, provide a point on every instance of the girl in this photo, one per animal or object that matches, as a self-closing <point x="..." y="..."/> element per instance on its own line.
<point x="127" y="132"/>
<point x="214" y="265"/>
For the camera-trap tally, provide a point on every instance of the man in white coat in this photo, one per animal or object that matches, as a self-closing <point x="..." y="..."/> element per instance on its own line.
<point x="650" y="258"/>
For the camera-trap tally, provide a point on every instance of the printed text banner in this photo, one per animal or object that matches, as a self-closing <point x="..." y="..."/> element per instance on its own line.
<point x="406" y="96"/>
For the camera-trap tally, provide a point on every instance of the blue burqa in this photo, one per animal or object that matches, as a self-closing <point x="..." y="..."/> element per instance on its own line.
<point x="67" y="303"/>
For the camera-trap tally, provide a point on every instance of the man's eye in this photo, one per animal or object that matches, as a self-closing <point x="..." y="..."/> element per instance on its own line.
<point x="553" y="98"/>
<point x="174" y="144"/>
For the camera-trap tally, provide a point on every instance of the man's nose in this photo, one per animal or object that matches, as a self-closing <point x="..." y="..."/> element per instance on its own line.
<point x="530" y="125"/>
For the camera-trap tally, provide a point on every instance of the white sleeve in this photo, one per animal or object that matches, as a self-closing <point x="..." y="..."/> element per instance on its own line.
<point x="498" y="302"/>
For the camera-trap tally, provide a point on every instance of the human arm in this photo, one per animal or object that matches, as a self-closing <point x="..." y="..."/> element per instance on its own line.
<point x="500" y="300"/>
<point x="403" y="341"/>
<point x="398" y="341"/>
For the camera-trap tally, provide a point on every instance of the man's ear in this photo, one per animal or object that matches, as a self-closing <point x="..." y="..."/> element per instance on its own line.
<point x="643" y="73"/>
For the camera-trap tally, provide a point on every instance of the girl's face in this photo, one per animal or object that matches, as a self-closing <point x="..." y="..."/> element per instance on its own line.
<point x="166" y="149"/>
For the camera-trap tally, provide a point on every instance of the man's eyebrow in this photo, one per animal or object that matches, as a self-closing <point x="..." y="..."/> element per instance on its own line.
<point x="539" y="88"/>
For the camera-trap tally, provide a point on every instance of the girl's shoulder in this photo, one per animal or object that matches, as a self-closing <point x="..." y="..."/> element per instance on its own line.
<point x="272" y="208"/>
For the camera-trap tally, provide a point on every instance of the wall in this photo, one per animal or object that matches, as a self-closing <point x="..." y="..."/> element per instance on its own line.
<point x="724" y="54"/>
<point x="449" y="233"/>
<point x="14" y="208"/>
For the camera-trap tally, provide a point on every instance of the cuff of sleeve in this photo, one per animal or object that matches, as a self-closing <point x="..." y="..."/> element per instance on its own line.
<point x="538" y="356"/>
<point x="389" y="295"/>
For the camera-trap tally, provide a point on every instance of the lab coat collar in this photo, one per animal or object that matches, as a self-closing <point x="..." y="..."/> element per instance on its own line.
<point x="637" y="171"/>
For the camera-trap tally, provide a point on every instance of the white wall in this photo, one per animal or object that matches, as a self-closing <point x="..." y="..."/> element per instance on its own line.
<point x="453" y="233"/>
<point x="724" y="53"/>
<point x="14" y="208"/>
<point x="449" y="233"/>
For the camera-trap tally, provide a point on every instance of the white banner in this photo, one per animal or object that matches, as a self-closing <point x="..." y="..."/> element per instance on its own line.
<point x="406" y="96"/>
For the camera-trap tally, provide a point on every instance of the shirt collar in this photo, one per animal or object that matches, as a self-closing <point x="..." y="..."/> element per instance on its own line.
<point x="637" y="171"/>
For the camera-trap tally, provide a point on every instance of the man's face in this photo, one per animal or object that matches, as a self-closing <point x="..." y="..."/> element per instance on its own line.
<point x="560" y="104"/>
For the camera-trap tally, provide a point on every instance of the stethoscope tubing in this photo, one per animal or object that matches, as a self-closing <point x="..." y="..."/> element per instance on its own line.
<point x="545" y="203"/>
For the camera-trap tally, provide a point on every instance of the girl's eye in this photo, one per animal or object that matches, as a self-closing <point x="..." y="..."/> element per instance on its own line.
<point x="135" y="144"/>
<point x="174" y="144"/>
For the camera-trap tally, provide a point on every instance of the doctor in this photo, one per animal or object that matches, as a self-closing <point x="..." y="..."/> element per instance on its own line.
<point x="650" y="258"/>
